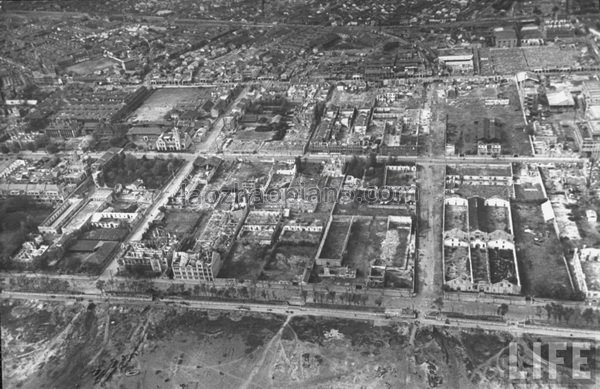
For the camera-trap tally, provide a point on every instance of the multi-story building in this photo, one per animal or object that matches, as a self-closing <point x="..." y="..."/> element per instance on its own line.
<point x="457" y="61"/>
<point x="531" y="36"/>
<point x="591" y="93"/>
<point x="64" y="129"/>
<point x="587" y="136"/>
<point x="203" y="265"/>
<point x="586" y="266"/>
<point x="174" y="140"/>
<point x="505" y="37"/>
<point x="145" y="136"/>
<point x="42" y="193"/>
<point x="31" y="250"/>
<point x="109" y="218"/>
<point x="140" y="255"/>
<point x="488" y="148"/>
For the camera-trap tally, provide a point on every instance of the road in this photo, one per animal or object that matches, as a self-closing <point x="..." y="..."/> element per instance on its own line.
<point x="429" y="259"/>
<point x="318" y="157"/>
<point x="389" y="317"/>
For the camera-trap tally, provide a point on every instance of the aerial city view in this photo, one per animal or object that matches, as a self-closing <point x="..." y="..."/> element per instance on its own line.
<point x="300" y="194"/>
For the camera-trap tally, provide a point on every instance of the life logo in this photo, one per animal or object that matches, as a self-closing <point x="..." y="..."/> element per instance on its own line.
<point x="553" y="361"/>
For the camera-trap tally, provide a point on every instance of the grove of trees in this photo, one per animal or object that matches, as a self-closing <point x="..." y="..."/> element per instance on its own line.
<point x="16" y="221"/>
<point x="127" y="168"/>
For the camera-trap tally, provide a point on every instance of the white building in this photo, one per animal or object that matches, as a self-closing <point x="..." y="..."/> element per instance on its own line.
<point x="175" y="140"/>
<point x="201" y="266"/>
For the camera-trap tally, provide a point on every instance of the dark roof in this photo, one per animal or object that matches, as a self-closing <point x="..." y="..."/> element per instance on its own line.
<point x="152" y="131"/>
<point x="477" y="215"/>
<point x="506" y="33"/>
<point x="106" y="234"/>
<point x="207" y="106"/>
<point x="85" y="245"/>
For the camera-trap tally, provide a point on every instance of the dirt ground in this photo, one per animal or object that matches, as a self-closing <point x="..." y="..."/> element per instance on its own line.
<point x="467" y="112"/>
<point x="92" y="65"/>
<point x="164" y="100"/>
<point x="245" y="262"/>
<point x="543" y="272"/>
<point x="83" y="345"/>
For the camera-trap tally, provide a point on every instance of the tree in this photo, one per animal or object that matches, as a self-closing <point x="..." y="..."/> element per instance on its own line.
<point x="379" y="301"/>
<point x="298" y="164"/>
<point x="4" y="148"/>
<point x="14" y="147"/>
<point x="364" y="298"/>
<point x="243" y="292"/>
<point x="549" y="311"/>
<point x="568" y="313"/>
<point x="559" y="311"/>
<point x="52" y="148"/>
<point x="37" y="124"/>
<point x="538" y="311"/>
<point x="578" y="296"/>
<point x="331" y="296"/>
<point x="42" y="141"/>
<point x="502" y="309"/>
<point x="438" y="303"/>
<point x="588" y="315"/>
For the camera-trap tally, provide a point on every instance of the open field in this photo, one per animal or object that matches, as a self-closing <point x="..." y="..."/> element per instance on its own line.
<point x="162" y="101"/>
<point x="341" y="98"/>
<point x="245" y="262"/>
<point x="539" y="253"/>
<point x="335" y="239"/>
<point x="288" y="261"/>
<point x="467" y="114"/>
<point x="399" y="178"/>
<point x="246" y="172"/>
<point x="366" y="237"/>
<point x="181" y="222"/>
<point x="92" y="65"/>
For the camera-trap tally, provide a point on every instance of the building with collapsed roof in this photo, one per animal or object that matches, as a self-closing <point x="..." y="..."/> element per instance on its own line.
<point x="457" y="60"/>
<point x="478" y="251"/>
<point x="140" y="255"/>
<point x="174" y="140"/>
<point x="261" y="227"/>
<point x="203" y="265"/>
<point x="586" y="269"/>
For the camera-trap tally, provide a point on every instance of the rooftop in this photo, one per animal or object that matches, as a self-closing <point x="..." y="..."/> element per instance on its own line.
<point x="474" y="170"/>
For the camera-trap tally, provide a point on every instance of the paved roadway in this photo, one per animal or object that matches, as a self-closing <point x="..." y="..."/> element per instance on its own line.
<point x="387" y="318"/>
<point x="442" y="160"/>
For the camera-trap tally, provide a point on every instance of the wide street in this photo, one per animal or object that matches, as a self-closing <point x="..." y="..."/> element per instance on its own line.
<point x="388" y="317"/>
